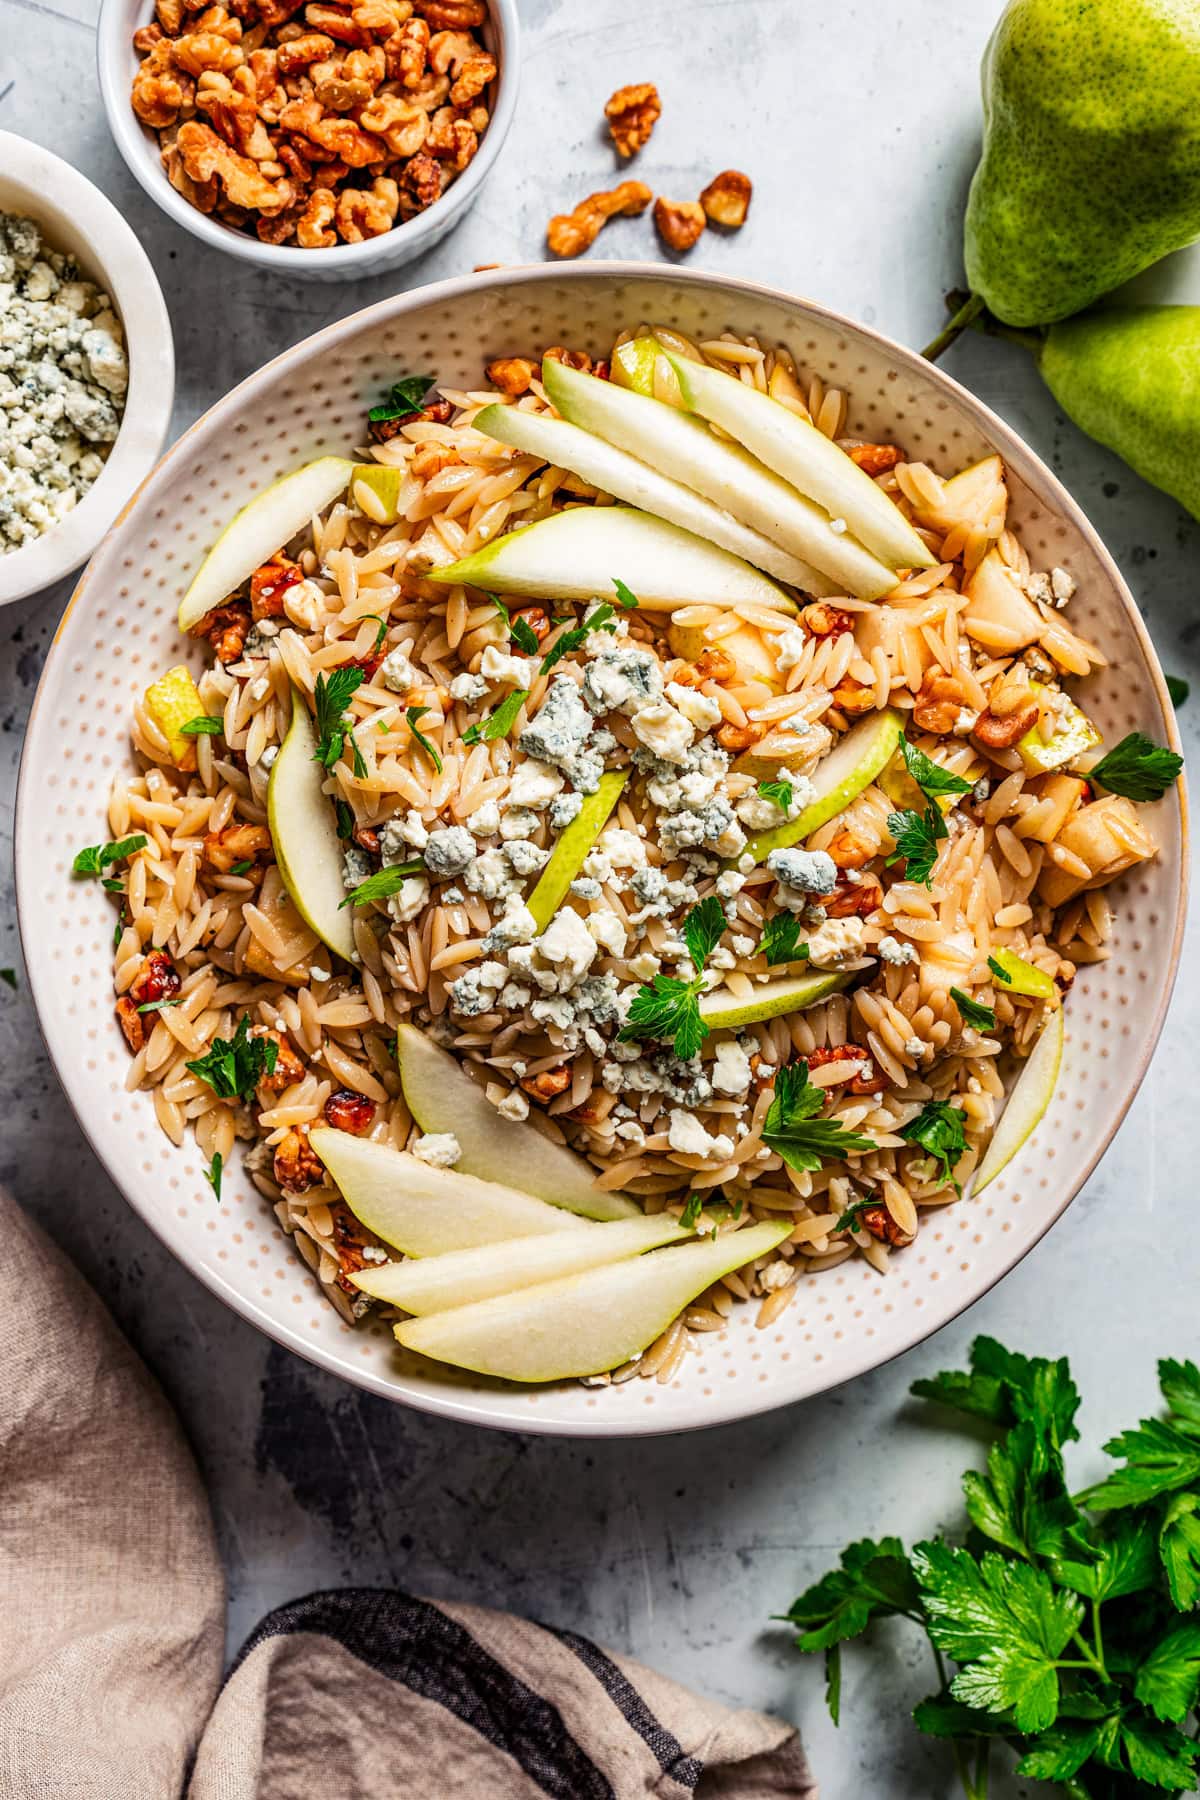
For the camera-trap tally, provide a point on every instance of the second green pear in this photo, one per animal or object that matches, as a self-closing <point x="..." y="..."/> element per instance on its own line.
<point x="1091" y="152"/>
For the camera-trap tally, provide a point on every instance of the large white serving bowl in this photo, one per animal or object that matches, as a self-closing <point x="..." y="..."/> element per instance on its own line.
<point x="76" y="218"/>
<point x="120" y="631"/>
<point x="117" y="63"/>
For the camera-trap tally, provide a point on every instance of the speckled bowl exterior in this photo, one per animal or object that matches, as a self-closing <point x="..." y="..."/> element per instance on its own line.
<point x="120" y="631"/>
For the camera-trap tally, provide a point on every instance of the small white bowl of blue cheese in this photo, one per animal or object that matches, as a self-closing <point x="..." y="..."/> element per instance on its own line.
<point x="87" y="367"/>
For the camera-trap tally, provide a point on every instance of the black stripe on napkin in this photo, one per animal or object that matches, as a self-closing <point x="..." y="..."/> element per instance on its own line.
<point x="686" y="1770"/>
<point x="417" y="1645"/>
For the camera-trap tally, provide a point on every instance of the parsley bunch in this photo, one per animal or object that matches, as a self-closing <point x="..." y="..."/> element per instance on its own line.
<point x="670" y="1008"/>
<point x="233" y="1067"/>
<point x="1072" y="1618"/>
<point x="917" y="834"/>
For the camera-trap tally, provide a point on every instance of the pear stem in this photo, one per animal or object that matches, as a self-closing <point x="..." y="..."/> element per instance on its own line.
<point x="966" y="315"/>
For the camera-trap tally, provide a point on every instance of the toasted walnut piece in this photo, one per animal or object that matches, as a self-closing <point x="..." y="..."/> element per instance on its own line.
<point x="226" y="628"/>
<point x="451" y="139"/>
<point x="279" y="228"/>
<point x="169" y="14"/>
<point x="407" y="53"/>
<point x="536" y="619"/>
<point x="570" y="359"/>
<point x="132" y="1023"/>
<point x="712" y="664"/>
<point x="269" y="583"/>
<point x="476" y="74"/>
<point x="548" y="1084"/>
<point x="1002" y="733"/>
<point x="159" y="91"/>
<point x="401" y="124"/>
<point x="452" y="15"/>
<point x="449" y="50"/>
<point x="848" y="851"/>
<point x="348" y="1111"/>
<point x="145" y="39"/>
<point x="336" y="22"/>
<point x="632" y="113"/>
<point x="297" y="1165"/>
<point x="834" y="1053"/>
<point x="940" y="699"/>
<point x="880" y="1223"/>
<point x="421" y="182"/>
<point x="511" y="375"/>
<point x="338" y="138"/>
<point x="232" y="109"/>
<point x="430" y="459"/>
<point x="157" y="979"/>
<point x="288" y="1070"/>
<point x="852" y="698"/>
<point x="201" y="51"/>
<point x="678" y="223"/>
<point x="875" y="459"/>
<point x="205" y="155"/>
<point x="367" y="212"/>
<point x="853" y="898"/>
<point x="312" y="227"/>
<point x="346" y="82"/>
<point x="236" y="844"/>
<point x="824" y="620"/>
<point x="741" y="737"/>
<point x="570" y="234"/>
<point x="301" y="52"/>
<point x="726" y="199"/>
<point x="431" y="91"/>
<point x="272" y="13"/>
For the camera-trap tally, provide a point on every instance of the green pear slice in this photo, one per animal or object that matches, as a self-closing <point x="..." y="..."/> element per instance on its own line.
<point x="426" y="1211"/>
<point x="462" y="1277"/>
<point x="723" y="1011"/>
<point x="852" y="765"/>
<point x="1028" y="1101"/>
<point x="573" y="846"/>
<point x="1023" y="977"/>
<point x="683" y="447"/>
<point x="257" y="533"/>
<point x="382" y="482"/>
<point x="304" y="834"/>
<point x="574" y="555"/>
<point x="806" y="458"/>
<point x="442" y="1097"/>
<point x="633" y="364"/>
<point x="614" y="471"/>
<point x="587" y="1323"/>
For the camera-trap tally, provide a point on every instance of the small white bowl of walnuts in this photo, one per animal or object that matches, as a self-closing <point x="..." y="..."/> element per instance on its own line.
<point x="326" y="138"/>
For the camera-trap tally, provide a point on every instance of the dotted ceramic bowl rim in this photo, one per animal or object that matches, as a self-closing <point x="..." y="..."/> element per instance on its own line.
<point x="843" y="1323"/>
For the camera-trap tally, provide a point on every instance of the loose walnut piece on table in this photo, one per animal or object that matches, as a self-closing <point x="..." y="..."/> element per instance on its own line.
<point x="632" y="113"/>
<point x="570" y="234"/>
<point x="679" y="222"/>
<point x="726" y="199"/>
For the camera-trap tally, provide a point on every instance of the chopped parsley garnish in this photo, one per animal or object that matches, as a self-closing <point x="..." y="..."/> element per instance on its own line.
<point x="203" y="725"/>
<point x="851" y="1219"/>
<point x="380" y="634"/>
<point x="917" y="838"/>
<point x="332" y="697"/>
<point x="779" y="942"/>
<point x="1137" y="768"/>
<point x="498" y="724"/>
<point x="519" y="630"/>
<point x="691" y="1212"/>
<point x="112" y="884"/>
<point x="669" y="1007"/>
<point x="241" y="868"/>
<point x="1178" y="689"/>
<point x="345" y="819"/>
<point x="119" y="927"/>
<point x="213" y="1174"/>
<point x="999" y="971"/>
<point x="930" y="776"/>
<point x="793" y="1130"/>
<point x="9" y="978"/>
<point x="234" y="1067"/>
<point x="161" y="1005"/>
<point x="625" y="596"/>
<point x="412" y="715"/>
<point x="96" y="857"/>
<point x="939" y="1130"/>
<point x="779" y="792"/>
<point x="600" y="619"/>
<point x="383" y="884"/>
<point x="983" y="1018"/>
<point x="405" y="397"/>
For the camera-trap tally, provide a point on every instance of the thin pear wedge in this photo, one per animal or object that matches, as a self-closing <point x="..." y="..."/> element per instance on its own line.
<point x="574" y="555"/>
<point x="426" y="1211"/>
<point x="1022" y="977"/>
<point x="806" y="458"/>
<point x="683" y="447"/>
<point x="442" y="1097"/>
<point x="573" y="846"/>
<point x="1028" y="1101"/>
<point x="304" y="834"/>
<point x="852" y="765"/>
<point x="584" y="1324"/>
<point x="614" y="471"/>
<point x="462" y="1277"/>
<point x="262" y="528"/>
<point x="722" y="1011"/>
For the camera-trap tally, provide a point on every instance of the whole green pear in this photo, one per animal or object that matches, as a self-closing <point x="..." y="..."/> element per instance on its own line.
<point x="1130" y="377"/>
<point x="1091" y="152"/>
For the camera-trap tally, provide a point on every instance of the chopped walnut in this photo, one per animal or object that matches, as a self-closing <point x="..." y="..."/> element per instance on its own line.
<point x="312" y="227"/>
<point x="301" y="52"/>
<point x="536" y="618"/>
<point x="726" y="199"/>
<point x="875" y="459"/>
<point x="157" y="979"/>
<point x="226" y="628"/>
<point x="851" y="697"/>
<point x="880" y="1223"/>
<point x="422" y="183"/>
<point x="132" y="1023"/>
<point x="207" y="156"/>
<point x="269" y="584"/>
<point x="366" y="213"/>
<point x="712" y="664"/>
<point x="451" y="138"/>
<point x="297" y="1165"/>
<point x="741" y="737"/>
<point x="632" y="113"/>
<point x="347" y="1111"/>
<point x="570" y="359"/>
<point x="824" y="620"/>
<point x="401" y="123"/>
<point x="407" y="53"/>
<point x="160" y="92"/>
<point x="452" y="15"/>
<point x="511" y="375"/>
<point x="940" y="699"/>
<point x="570" y="234"/>
<point x="865" y="1080"/>
<point x="288" y="1068"/>
<point x="237" y="844"/>
<point x="550" y="1083"/>
<point x="853" y="898"/>
<point x="849" y="851"/>
<point x="678" y="223"/>
<point x="1002" y="733"/>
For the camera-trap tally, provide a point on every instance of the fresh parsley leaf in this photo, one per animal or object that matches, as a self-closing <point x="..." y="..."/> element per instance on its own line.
<point x="917" y="838"/>
<point x="943" y="1716"/>
<point x="406" y="396"/>
<point x="793" y="1130"/>
<point x="983" y="1018"/>
<point x="498" y="724"/>
<point x="668" y="1008"/>
<point x="1061" y="1752"/>
<point x="851" y="1219"/>
<point x="9" y="978"/>
<point x="780" y="792"/>
<point x="380" y="634"/>
<point x="693" y="1209"/>
<point x="625" y="596"/>
<point x="524" y="636"/>
<point x="1179" y="1550"/>
<point x="703" y="929"/>
<point x="213" y="1174"/>
<point x="153" y="1006"/>
<point x="412" y="714"/>
<point x="1022" y="1502"/>
<point x="96" y="857"/>
<point x="1158" y="1754"/>
<point x="234" y="1067"/>
<point x="1159" y="1458"/>
<point x="345" y="819"/>
<point x="332" y="696"/>
<point x="1126" y="1563"/>
<point x="204" y="725"/>
<point x="940" y="1131"/>
<point x="112" y="884"/>
<point x="930" y="776"/>
<point x="241" y="868"/>
<point x="1178" y="689"/>
<point x="1005" y="1387"/>
<point x="600" y="619"/>
<point x="1180" y="1384"/>
<point x="382" y="884"/>
<point x="1137" y="768"/>
<point x="873" y="1581"/>
<point x="780" y="943"/>
<point x="1168" y="1680"/>
<point x="999" y="971"/>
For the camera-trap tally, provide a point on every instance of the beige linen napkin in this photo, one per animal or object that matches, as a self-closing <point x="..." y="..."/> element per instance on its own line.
<point x="112" y="1621"/>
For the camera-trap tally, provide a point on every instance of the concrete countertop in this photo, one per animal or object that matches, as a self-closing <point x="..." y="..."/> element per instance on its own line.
<point x="858" y="124"/>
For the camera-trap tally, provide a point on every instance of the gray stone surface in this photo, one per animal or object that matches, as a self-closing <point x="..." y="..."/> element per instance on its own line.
<point x="858" y="123"/>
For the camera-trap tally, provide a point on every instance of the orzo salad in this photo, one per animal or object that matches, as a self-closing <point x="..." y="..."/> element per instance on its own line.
<point x="626" y="841"/>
